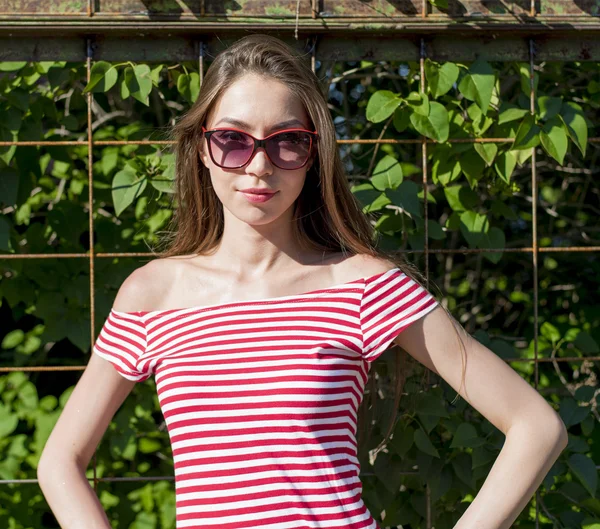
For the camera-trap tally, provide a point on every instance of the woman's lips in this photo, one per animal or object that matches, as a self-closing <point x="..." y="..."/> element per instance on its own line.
<point x="258" y="197"/>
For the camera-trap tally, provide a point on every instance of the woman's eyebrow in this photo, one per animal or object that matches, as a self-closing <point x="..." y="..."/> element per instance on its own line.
<point x="242" y="124"/>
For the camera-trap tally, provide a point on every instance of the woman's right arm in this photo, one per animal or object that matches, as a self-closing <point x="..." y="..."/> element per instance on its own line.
<point x="87" y="414"/>
<point x="61" y="471"/>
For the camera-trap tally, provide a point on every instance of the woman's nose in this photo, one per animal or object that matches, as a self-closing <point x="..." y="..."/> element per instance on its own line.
<point x="260" y="163"/>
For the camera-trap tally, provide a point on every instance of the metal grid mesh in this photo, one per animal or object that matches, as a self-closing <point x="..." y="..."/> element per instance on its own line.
<point x="534" y="249"/>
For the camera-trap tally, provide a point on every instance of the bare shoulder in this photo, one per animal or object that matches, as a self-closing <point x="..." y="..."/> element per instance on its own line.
<point x="363" y="265"/>
<point x="147" y="284"/>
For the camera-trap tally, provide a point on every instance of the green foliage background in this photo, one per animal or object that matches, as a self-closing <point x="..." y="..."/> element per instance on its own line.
<point x="479" y="196"/>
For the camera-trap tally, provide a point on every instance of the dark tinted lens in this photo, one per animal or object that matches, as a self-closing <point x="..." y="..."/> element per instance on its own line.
<point x="289" y="150"/>
<point x="231" y="148"/>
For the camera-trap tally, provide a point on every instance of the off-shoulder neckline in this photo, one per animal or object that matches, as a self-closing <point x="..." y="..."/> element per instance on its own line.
<point x="256" y="301"/>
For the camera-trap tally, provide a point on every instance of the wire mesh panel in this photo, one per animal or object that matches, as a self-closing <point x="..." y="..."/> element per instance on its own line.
<point x="459" y="229"/>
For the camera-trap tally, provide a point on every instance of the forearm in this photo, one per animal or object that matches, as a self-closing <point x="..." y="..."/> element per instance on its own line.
<point x="70" y="496"/>
<point x="526" y="457"/>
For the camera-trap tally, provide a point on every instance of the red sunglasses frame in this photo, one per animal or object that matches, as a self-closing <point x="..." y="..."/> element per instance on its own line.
<point x="261" y="143"/>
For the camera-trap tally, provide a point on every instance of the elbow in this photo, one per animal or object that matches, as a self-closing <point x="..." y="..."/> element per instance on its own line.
<point x="557" y="431"/>
<point x="51" y="465"/>
<point x="563" y="434"/>
<point x="44" y="468"/>
<point x="548" y="427"/>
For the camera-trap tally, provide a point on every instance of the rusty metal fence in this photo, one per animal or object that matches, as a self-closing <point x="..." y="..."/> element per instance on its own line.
<point x="327" y="30"/>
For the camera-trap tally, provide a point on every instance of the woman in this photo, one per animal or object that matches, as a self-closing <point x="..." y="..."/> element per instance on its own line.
<point x="261" y="320"/>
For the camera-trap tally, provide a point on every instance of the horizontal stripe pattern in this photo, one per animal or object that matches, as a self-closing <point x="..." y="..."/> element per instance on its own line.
<point x="261" y="398"/>
<point x="122" y="341"/>
<point x="390" y="303"/>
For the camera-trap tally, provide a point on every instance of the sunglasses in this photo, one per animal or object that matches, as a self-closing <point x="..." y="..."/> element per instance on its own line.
<point x="287" y="149"/>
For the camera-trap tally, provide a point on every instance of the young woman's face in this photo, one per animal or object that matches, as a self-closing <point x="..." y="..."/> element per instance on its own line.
<point x="259" y="106"/>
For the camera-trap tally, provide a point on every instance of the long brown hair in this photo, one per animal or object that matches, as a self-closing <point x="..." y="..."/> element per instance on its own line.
<point x="327" y="216"/>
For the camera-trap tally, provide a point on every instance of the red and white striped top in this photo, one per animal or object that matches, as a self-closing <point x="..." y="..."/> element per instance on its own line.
<point x="261" y="398"/>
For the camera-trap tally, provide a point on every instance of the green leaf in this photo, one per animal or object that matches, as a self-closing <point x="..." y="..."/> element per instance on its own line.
<point x="146" y="445"/>
<point x="387" y="174"/>
<point x="572" y="116"/>
<point x="403" y="439"/>
<point x="9" y="66"/>
<point x="12" y="118"/>
<point x="554" y="139"/>
<point x="445" y="170"/>
<point x="8" y="421"/>
<point x="440" y="79"/>
<point x="585" y="470"/>
<point x="460" y="198"/>
<point x="418" y="102"/>
<point x="13" y="338"/>
<point x="7" y="153"/>
<point x="429" y="404"/>
<point x="401" y="119"/>
<point x="494" y="238"/>
<point x="188" y="85"/>
<point x="435" y="231"/>
<point x="463" y="468"/>
<point x="549" y="107"/>
<point x="381" y="105"/>
<point x="478" y="84"/>
<point x="585" y="343"/>
<point x="482" y="456"/>
<point x="4" y="234"/>
<point x="440" y="4"/>
<point x="406" y="196"/>
<point x="571" y="413"/>
<point x="428" y="422"/>
<point x="479" y="121"/>
<point x="503" y="210"/>
<point x="391" y="222"/>
<point x="138" y="82"/>
<point x="473" y="226"/>
<point x="465" y="436"/>
<point x="126" y="187"/>
<point x="511" y="113"/>
<point x="18" y="98"/>
<point x="436" y="125"/>
<point x="127" y="74"/>
<point x="505" y="165"/>
<point x="525" y="76"/>
<point x="68" y="220"/>
<point x="103" y="77"/>
<point x="388" y="471"/>
<point x="487" y="151"/>
<point x="162" y="184"/>
<point x="472" y="166"/>
<point x="440" y="483"/>
<point x="155" y="74"/>
<point x="430" y="196"/>
<point x="424" y="444"/>
<point x="165" y="183"/>
<point x="9" y="186"/>
<point x="549" y="331"/>
<point x="370" y="198"/>
<point x="123" y="445"/>
<point x="523" y="155"/>
<point x="527" y="134"/>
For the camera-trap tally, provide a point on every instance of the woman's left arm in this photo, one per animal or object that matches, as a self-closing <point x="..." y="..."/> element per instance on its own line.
<point x="535" y="433"/>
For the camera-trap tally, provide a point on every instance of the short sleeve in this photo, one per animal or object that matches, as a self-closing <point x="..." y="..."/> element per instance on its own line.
<point x="122" y="341"/>
<point x="391" y="302"/>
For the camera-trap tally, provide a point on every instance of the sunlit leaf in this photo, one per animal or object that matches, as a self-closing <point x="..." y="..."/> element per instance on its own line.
<point x="381" y="105"/>
<point x="435" y="125"/>
<point x="440" y="79"/>
<point x="103" y="77"/>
